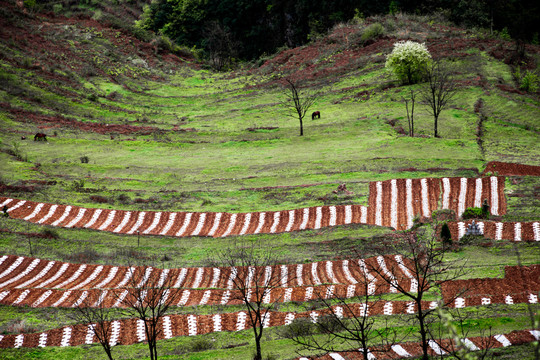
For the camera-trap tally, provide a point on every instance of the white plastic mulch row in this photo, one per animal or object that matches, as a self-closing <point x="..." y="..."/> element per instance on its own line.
<point x="77" y="218"/>
<point x="425" y="199"/>
<point x="378" y="203"/>
<point x="393" y="203"/>
<point x="409" y="202"/>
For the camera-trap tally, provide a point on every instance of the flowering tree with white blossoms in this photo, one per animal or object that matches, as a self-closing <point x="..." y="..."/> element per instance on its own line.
<point x="408" y="60"/>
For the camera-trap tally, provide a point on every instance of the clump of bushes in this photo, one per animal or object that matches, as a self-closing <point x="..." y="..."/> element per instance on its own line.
<point x="299" y="327"/>
<point x="201" y="344"/>
<point x="371" y="33"/>
<point x="476" y="213"/>
<point x="528" y="81"/>
<point x="18" y="327"/>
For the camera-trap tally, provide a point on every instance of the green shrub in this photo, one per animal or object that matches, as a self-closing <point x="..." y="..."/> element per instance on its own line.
<point x="57" y="8"/>
<point x="29" y="4"/>
<point x="372" y="32"/>
<point x="408" y="61"/>
<point x="298" y="328"/>
<point x="474" y="213"/>
<point x="529" y="82"/>
<point x="201" y="344"/>
<point x="485" y="209"/>
<point x="446" y="236"/>
<point x="329" y="324"/>
<point x="504" y="34"/>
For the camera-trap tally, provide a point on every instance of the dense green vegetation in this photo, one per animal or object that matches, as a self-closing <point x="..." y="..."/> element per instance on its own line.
<point x="181" y="137"/>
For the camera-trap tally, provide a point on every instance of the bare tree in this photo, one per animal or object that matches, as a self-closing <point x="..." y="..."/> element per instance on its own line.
<point x="98" y="317"/>
<point x="347" y="325"/>
<point x="420" y="268"/>
<point x="297" y="101"/>
<point x="410" y="117"/>
<point x="254" y="277"/>
<point x="221" y="46"/>
<point x="439" y="90"/>
<point x="148" y="295"/>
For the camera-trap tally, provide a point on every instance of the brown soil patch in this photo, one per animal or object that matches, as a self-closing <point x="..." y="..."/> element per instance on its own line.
<point x="511" y="169"/>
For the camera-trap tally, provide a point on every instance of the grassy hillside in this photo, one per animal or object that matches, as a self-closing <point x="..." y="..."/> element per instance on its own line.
<point x="132" y="126"/>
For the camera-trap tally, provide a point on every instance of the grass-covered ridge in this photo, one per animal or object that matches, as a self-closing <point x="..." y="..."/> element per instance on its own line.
<point x="162" y="132"/>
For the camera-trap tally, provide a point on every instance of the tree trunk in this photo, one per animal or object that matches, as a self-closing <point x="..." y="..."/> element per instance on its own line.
<point x="109" y="353"/>
<point x="301" y="127"/>
<point x="364" y="348"/>
<point x="258" y="355"/>
<point x="423" y="332"/>
<point x="436" y="127"/>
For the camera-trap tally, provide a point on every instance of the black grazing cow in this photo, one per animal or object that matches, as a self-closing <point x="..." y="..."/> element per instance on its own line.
<point x="40" y="137"/>
<point x="316" y="115"/>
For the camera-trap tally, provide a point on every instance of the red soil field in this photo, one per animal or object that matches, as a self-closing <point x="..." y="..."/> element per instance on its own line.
<point x="511" y="169"/>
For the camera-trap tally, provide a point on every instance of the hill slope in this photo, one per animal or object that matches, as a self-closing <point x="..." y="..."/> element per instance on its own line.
<point x="132" y="128"/>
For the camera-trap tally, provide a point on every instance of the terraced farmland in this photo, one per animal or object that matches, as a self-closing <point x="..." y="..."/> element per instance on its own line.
<point x="156" y="165"/>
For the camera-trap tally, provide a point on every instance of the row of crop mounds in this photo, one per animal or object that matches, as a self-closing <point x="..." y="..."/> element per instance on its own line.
<point x="392" y="203"/>
<point x="41" y="283"/>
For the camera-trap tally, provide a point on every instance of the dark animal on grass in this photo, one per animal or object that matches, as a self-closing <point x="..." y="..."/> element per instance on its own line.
<point x="40" y="137"/>
<point x="316" y="115"/>
<point x="23" y="137"/>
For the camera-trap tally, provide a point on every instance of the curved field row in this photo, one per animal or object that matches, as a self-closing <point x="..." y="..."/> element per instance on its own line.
<point x="130" y="331"/>
<point x="391" y="203"/>
<point x="492" y="291"/>
<point x="184" y="223"/>
<point x="437" y="348"/>
<point x="515" y="231"/>
<point x="185" y="297"/>
<point x="20" y="272"/>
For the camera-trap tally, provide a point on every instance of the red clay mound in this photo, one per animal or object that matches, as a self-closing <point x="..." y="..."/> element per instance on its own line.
<point x="509" y="169"/>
